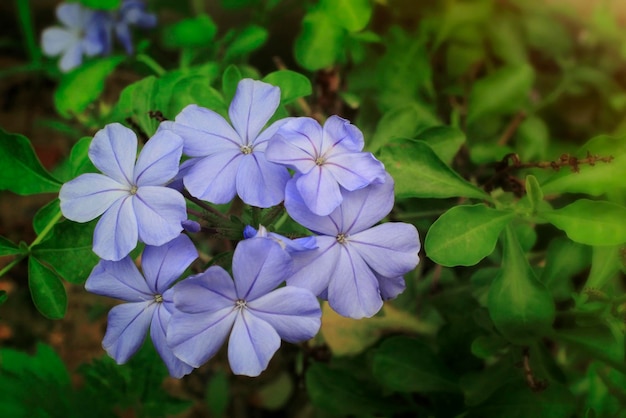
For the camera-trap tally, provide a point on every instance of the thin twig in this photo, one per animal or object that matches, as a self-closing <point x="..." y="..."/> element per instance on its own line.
<point x="511" y="128"/>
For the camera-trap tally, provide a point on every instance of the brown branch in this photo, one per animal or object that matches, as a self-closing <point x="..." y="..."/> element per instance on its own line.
<point x="534" y="384"/>
<point x="511" y="128"/>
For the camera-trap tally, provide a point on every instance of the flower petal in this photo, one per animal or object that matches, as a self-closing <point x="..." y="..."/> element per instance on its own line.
<point x="113" y="151"/>
<point x="297" y="144"/>
<point x="319" y="190"/>
<point x="261" y="141"/>
<point x="353" y="289"/>
<point x="355" y="170"/>
<point x="206" y="292"/>
<point x="204" y="132"/>
<point x="252" y="345"/>
<point x="89" y="195"/>
<point x="116" y="232"/>
<point x="362" y="208"/>
<point x="127" y="326"/>
<point x="313" y="269"/>
<point x="300" y="212"/>
<point x="213" y="178"/>
<point x="55" y="40"/>
<point x="390" y="249"/>
<point x="338" y="130"/>
<point x="73" y="15"/>
<point x="293" y="312"/>
<point x="390" y="287"/>
<point x="259" y="266"/>
<point x="175" y="366"/>
<point x="119" y="279"/>
<point x="158" y="161"/>
<point x="259" y="182"/>
<point x="72" y="57"/>
<point x="164" y="264"/>
<point x="253" y="105"/>
<point x="160" y="212"/>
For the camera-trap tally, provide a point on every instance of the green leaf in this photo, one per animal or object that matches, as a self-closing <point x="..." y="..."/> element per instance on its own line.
<point x="22" y="173"/>
<point x="69" y="250"/>
<point x="79" y="158"/>
<point x="594" y="179"/>
<point x="320" y="43"/>
<point x="353" y="15"/>
<point x="418" y="172"/>
<point x="502" y="92"/>
<point x="3" y="297"/>
<point x="445" y="141"/>
<point x="218" y="394"/>
<point x="406" y="364"/>
<point x="46" y="290"/>
<point x="45" y="215"/>
<point x="248" y="40"/>
<point x="464" y="235"/>
<point x="196" y="90"/>
<point x="404" y="121"/>
<point x="479" y="386"/>
<point x="230" y="79"/>
<point x="521" y="307"/>
<point x="8" y="247"/>
<point x="590" y="222"/>
<point x="135" y="102"/>
<point x="102" y="4"/>
<point x="605" y="264"/>
<point x="80" y="87"/>
<point x="193" y="32"/>
<point x="564" y="259"/>
<point x="534" y="192"/>
<point x="292" y="85"/>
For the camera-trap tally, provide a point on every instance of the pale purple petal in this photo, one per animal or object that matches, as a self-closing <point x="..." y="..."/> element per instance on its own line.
<point x="313" y="269"/>
<point x="159" y="159"/>
<point x="116" y="232"/>
<point x="293" y="312"/>
<point x="206" y="292"/>
<point x="119" y="279"/>
<point x="319" y="190"/>
<point x="253" y="105"/>
<point x="164" y="264"/>
<point x="159" y="212"/>
<point x="390" y="287"/>
<point x="365" y="207"/>
<point x="252" y="344"/>
<point x="55" y="40"/>
<point x="73" y="15"/>
<point x="261" y="141"/>
<point x="204" y="132"/>
<point x="338" y="130"/>
<point x="122" y="32"/>
<point x="353" y="290"/>
<point x="89" y="195"/>
<point x="72" y="57"/>
<point x="390" y="249"/>
<point x="296" y="144"/>
<point x="113" y="151"/>
<point x="300" y="212"/>
<point x="259" y="182"/>
<point x="177" y="181"/>
<point x="213" y="178"/>
<point x="127" y="326"/>
<point x="176" y="367"/>
<point x="259" y="266"/>
<point x="355" y="170"/>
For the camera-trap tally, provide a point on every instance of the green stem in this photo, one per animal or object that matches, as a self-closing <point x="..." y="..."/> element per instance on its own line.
<point x="11" y="264"/>
<point x="46" y="230"/>
<point x="28" y="31"/>
<point x="279" y="223"/>
<point x="21" y="69"/>
<point x="151" y="63"/>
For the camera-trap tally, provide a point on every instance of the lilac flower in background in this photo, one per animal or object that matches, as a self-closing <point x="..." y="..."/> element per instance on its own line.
<point x="229" y="160"/>
<point x="210" y="306"/>
<point x="133" y="199"/>
<point x="289" y="245"/>
<point x="131" y="13"/>
<point x="326" y="157"/>
<point x="84" y="34"/>
<point x="149" y="300"/>
<point x="356" y="264"/>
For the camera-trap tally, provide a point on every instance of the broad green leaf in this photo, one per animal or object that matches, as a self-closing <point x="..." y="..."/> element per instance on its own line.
<point x="102" y="4"/>
<point x="563" y="260"/>
<point x="479" y="386"/>
<point x="353" y="15"/>
<point x="3" y="297"/>
<point x="521" y="307"/>
<point x="79" y="158"/>
<point x="22" y="173"/>
<point x="230" y="79"/>
<point x="605" y="264"/>
<point x="196" y="90"/>
<point x="135" y="102"/>
<point x="320" y="43"/>
<point x="80" y="87"/>
<point x="69" y="250"/>
<point x="418" y="172"/>
<point x="404" y="121"/>
<point x="275" y="394"/>
<point x="218" y="394"/>
<point x="8" y="247"/>
<point x="507" y="40"/>
<point x="406" y="364"/>
<point x="193" y="32"/>
<point x="248" y="40"/>
<point x="502" y="92"/>
<point x="532" y="138"/>
<point x="45" y="215"/>
<point x="459" y="14"/>
<point x="464" y="235"/>
<point x="292" y="84"/>
<point x="46" y="290"/>
<point x="534" y="192"/>
<point x="594" y="179"/>
<point x="444" y="140"/>
<point x="590" y="222"/>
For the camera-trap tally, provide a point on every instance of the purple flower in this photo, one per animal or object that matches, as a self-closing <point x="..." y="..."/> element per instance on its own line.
<point x="289" y="245"/>
<point x="210" y="306"/>
<point x="132" y="13"/>
<point x="327" y="158"/>
<point x="356" y="265"/>
<point x="229" y="160"/>
<point x="132" y="198"/>
<point x="84" y="34"/>
<point x="149" y="299"/>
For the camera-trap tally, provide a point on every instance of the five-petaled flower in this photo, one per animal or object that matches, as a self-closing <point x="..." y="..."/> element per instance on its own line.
<point x="131" y="13"/>
<point x="229" y="160"/>
<point x="326" y="159"/>
<point x="210" y="306"/>
<point x="133" y="199"/>
<point x="356" y="265"/>
<point x="149" y="299"/>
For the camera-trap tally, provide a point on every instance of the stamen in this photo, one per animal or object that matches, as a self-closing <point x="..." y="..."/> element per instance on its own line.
<point x="320" y="161"/>
<point x="246" y="149"/>
<point x="240" y="304"/>
<point x="341" y="238"/>
<point x="133" y="190"/>
<point x="158" y="298"/>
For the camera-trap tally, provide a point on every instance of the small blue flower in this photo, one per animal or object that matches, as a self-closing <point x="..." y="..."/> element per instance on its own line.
<point x="149" y="299"/>
<point x="210" y="306"/>
<point x="131" y="13"/>
<point x="326" y="158"/>
<point x="85" y="33"/>
<point x="356" y="265"/>
<point x="133" y="199"/>
<point x="289" y="245"/>
<point x="229" y="160"/>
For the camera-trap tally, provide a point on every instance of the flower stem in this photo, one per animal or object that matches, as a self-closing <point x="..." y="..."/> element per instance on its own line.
<point x="151" y="63"/>
<point x="46" y="230"/>
<point x="28" y="31"/>
<point x="204" y="205"/>
<point x="11" y="264"/>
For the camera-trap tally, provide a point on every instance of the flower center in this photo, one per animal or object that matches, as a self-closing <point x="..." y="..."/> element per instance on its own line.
<point x="158" y="298"/>
<point x="246" y="149"/>
<point x="341" y="238"/>
<point x="240" y="304"/>
<point x="133" y="190"/>
<point x="320" y="161"/>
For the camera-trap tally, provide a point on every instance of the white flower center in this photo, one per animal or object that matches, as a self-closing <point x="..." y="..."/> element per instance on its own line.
<point x="320" y="161"/>
<point x="158" y="298"/>
<point x="240" y="304"/>
<point x="246" y="149"/>
<point x="133" y="190"/>
<point x="342" y="238"/>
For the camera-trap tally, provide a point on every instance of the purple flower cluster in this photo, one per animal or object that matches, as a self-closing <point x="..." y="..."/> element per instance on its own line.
<point x="88" y="32"/>
<point x="337" y="191"/>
